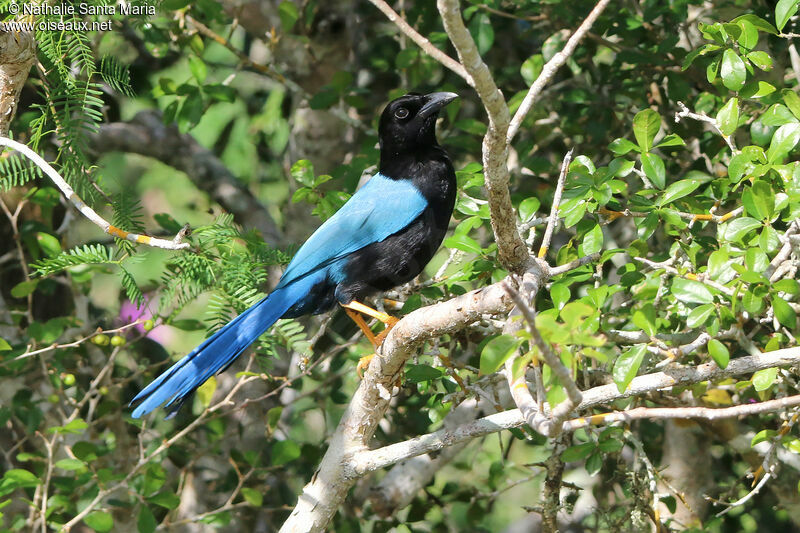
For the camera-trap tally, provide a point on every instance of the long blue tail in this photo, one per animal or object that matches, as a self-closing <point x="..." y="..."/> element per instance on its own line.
<point x="219" y="350"/>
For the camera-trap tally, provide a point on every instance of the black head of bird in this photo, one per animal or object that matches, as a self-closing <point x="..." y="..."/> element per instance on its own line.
<point x="409" y="122"/>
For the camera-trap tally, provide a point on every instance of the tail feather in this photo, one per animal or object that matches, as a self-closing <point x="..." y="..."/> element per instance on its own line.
<point x="218" y="351"/>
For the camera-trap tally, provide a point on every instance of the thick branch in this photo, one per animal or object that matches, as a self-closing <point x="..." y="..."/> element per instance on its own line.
<point x="511" y="249"/>
<point x="17" y="55"/>
<point x="147" y="135"/>
<point x="369" y="460"/>
<point x="337" y="473"/>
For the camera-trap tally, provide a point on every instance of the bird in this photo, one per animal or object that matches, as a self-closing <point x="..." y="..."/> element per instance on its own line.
<point x="381" y="238"/>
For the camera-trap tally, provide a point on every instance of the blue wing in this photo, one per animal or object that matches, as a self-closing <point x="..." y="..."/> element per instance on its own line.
<point x="380" y="208"/>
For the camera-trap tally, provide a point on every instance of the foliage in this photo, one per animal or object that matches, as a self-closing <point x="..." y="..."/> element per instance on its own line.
<point x="688" y="208"/>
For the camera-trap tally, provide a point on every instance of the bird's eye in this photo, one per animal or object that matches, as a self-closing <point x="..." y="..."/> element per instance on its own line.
<point x="401" y="113"/>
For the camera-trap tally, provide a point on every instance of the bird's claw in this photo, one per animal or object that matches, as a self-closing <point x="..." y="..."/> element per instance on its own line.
<point x="363" y="364"/>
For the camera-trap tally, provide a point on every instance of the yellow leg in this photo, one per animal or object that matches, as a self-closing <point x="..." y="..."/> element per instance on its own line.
<point x="353" y="309"/>
<point x="374" y="313"/>
<point x="362" y="325"/>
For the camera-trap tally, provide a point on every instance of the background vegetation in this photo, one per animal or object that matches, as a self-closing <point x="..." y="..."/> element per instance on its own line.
<point x="254" y="121"/>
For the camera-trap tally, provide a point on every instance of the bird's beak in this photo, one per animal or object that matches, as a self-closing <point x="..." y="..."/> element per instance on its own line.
<point x="434" y="102"/>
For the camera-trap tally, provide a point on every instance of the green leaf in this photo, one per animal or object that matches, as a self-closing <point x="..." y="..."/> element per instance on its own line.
<point x="671" y="140"/>
<point x="559" y="294"/>
<point x="288" y="14"/>
<point x="759" y="200"/>
<point x="784" y="10"/>
<point x="645" y="319"/>
<point x="577" y="452"/>
<point x="740" y="227"/>
<point x="763" y="379"/>
<point x="166" y="499"/>
<point x="198" y="68"/>
<point x="69" y="464"/>
<point x="421" y="373"/>
<point x="646" y="124"/>
<point x="74" y="427"/>
<point x="679" y="189"/>
<point x="622" y="146"/>
<point x="792" y="101"/>
<point x="627" y="366"/>
<point x="17" y="478"/>
<point x="496" y="352"/>
<point x="531" y="68"/>
<point x="146" y="521"/>
<point x="784" y="312"/>
<point x="593" y="240"/>
<point x="50" y="245"/>
<point x="789" y="286"/>
<point x="4" y="346"/>
<point x="284" y="451"/>
<point x="749" y="36"/>
<point x="758" y="22"/>
<point x="719" y="353"/>
<point x="690" y="291"/>
<point x="699" y="315"/>
<point x="24" y="288"/>
<point x="732" y="70"/>
<point x="481" y="29"/>
<point x="783" y="142"/>
<point x="760" y="59"/>
<point x="653" y="167"/>
<point x="253" y="496"/>
<point x="100" y="521"/>
<point x="528" y="208"/>
<point x="464" y="243"/>
<point x="728" y="116"/>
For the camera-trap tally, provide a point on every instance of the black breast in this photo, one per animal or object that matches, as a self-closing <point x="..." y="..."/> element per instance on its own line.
<point x="402" y="256"/>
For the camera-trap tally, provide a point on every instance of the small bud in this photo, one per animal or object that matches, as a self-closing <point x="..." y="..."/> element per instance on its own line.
<point x="53" y="398"/>
<point x="148" y="325"/>
<point x="68" y="380"/>
<point x="101" y="340"/>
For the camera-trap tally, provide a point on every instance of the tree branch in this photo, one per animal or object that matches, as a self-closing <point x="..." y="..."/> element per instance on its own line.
<point x="17" y="55"/>
<point x="511" y="249"/>
<point x="88" y="212"/>
<point x="370" y="460"/>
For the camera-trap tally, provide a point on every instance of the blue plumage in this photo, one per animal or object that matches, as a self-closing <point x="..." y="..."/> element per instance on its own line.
<point x="382" y="237"/>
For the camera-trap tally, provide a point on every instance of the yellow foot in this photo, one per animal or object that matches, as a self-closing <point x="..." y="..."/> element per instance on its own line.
<point x="363" y="364"/>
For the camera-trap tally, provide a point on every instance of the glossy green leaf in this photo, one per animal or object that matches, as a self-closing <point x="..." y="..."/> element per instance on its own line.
<point x="284" y="451"/>
<point x="198" y="68"/>
<point x="783" y="141"/>
<point x="784" y="10"/>
<point x="728" y="116"/>
<point x="531" y="68"/>
<point x="577" y="452"/>
<point x="100" y="521"/>
<point x="593" y="240"/>
<point x="646" y="124"/>
<point x="496" y="352"/>
<point x="719" y="353"/>
<point x="784" y="312"/>
<point x="481" y="29"/>
<point x="679" y="189"/>
<point x="622" y="146"/>
<point x="653" y="167"/>
<point x="763" y="379"/>
<point x="760" y="59"/>
<point x="422" y="373"/>
<point x="739" y="227"/>
<point x="146" y="521"/>
<point x="627" y="366"/>
<point x="699" y="315"/>
<point x="690" y="291"/>
<point x="732" y="70"/>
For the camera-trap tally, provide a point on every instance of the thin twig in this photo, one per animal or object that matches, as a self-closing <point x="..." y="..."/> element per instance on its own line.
<point x="422" y="41"/>
<point x="88" y="212"/>
<point x="553" y="220"/>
